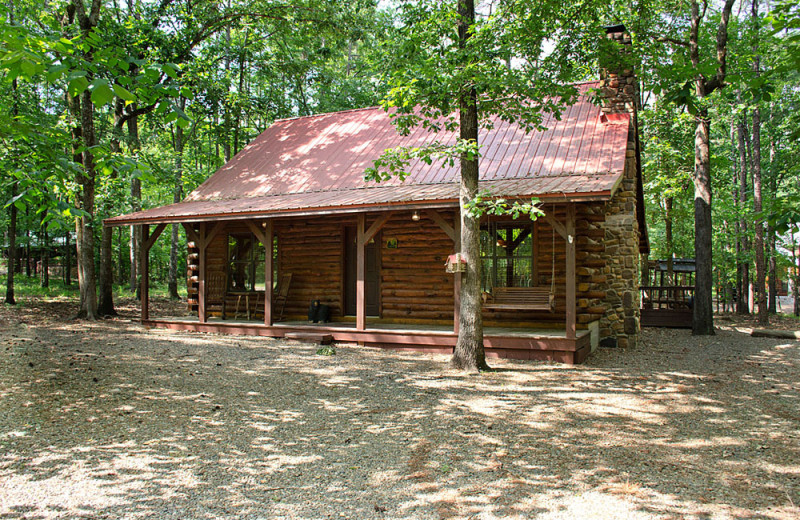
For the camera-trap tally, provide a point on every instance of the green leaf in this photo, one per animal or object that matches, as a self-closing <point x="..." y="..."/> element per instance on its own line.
<point x="28" y="68"/>
<point x="102" y="94"/>
<point x="77" y="85"/>
<point x="55" y="72"/>
<point x="169" y="70"/>
<point x="124" y="93"/>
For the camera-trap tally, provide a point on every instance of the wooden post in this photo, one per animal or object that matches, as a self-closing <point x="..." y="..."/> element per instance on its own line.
<point x="457" y="276"/>
<point x="570" y="250"/>
<point x="268" y="234"/>
<point x="144" y="270"/>
<point x="201" y="275"/>
<point x="361" y="274"/>
<point x="144" y="262"/>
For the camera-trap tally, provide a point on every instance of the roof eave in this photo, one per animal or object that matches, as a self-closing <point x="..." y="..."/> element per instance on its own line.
<point x="337" y="210"/>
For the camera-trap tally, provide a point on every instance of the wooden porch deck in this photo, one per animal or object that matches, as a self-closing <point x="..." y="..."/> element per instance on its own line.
<point x="504" y="342"/>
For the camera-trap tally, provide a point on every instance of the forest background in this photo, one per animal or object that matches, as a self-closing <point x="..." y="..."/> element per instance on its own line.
<point x="111" y="107"/>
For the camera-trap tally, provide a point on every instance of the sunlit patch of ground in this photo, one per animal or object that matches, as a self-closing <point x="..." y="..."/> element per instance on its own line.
<point x="108" y="420"/>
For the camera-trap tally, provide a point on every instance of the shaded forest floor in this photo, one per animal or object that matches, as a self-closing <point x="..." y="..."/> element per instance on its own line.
<point x="108" y="420"/>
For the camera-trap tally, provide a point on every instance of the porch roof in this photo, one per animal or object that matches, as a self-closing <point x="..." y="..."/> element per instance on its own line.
<point x="572" y="188"/>
<point x="315" y="164"/>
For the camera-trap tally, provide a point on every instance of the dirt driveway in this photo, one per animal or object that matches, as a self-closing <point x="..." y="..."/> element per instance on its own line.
<point x="108" y="420"/>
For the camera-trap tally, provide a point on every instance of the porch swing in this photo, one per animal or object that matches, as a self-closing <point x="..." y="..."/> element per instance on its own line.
<point x="526" y="298"/>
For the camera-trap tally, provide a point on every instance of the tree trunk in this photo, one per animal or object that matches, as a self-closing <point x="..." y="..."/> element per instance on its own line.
<point x="772" y="238"/>
<point x="468" y="353"/>
<point x="85" y="227"/>
<point x="761" y="273"/>
<point x="772" y="269"/>
<point x="120" y="255"/>
<point x="670" y="246"/>
<point x="743" y="301"/>
<point x="12" y="210"/>
<point x="28" y="245"/>
<point x="703" y="312"/>
<point x="106" y="303"/>
<point x="12" y="247"/>
<point x="796" y="284"/>
<point x="177" y="196"/>
<point x="136" y="195"/>
<point x="44" y="279"/>
<point x="67" y="260"/>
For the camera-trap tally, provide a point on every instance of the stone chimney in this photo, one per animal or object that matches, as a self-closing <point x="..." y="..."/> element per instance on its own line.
<point x="618" y="86"/>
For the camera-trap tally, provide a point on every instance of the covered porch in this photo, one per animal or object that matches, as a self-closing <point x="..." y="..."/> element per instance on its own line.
<point x="502" y="342"/>
<point x="388" y="288"/>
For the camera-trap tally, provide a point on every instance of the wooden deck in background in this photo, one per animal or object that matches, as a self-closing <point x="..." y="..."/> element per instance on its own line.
<point x="506" y="342"/>
<point x="669" y="318"/>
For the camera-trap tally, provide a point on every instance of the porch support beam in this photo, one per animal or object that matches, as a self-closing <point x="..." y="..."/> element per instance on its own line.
<point x="144" y="271"/>
<point x="555" y="224"/>
<point x="361" y="272"/>
<point x="570" y="281"/>
<point x="149" y="241"/>
<point x="456" y="229"/>
<point x="265" y="237"/>
<point x="376" y="226"/>
<point x="191" y="234"/>
<point x="446" y="227"/>
<point x="219" y="226"/>
<point x="144" y="266"/>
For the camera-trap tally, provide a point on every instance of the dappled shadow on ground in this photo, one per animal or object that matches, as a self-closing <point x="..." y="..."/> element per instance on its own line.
<point x="108" y="420"/>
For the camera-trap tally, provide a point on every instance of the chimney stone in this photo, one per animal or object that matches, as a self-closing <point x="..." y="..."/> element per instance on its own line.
<point x="618" y="86"/>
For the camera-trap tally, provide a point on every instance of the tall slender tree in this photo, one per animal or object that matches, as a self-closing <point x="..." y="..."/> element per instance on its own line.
<point x="449" y="69"/>
<point x="704" y="86"/>
<point x="761" y="274"/>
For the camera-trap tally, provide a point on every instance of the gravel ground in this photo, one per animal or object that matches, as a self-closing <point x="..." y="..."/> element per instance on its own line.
<point x="108" y="420"/>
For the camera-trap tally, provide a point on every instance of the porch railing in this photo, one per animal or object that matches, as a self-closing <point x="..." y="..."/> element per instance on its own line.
<point x="667" y="296"/>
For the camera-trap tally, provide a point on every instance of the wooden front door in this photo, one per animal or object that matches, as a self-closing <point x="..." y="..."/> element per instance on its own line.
<point x="372" y="285"/>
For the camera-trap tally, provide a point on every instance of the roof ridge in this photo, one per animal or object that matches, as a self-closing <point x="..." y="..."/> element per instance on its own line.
<point x="282" y="119"/>
<point x="326" y="113"/>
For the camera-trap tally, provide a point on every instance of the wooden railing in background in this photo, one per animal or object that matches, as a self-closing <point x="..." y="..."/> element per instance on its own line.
<point x="667" y="296"/>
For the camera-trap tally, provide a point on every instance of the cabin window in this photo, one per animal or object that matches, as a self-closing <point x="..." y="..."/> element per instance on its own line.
<point x="244" y="255"/>
<point x="507" y="255"/>
<point x="246" y="262"/>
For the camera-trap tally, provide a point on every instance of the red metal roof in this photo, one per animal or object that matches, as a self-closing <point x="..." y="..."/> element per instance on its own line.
<point x="318" y="162"/>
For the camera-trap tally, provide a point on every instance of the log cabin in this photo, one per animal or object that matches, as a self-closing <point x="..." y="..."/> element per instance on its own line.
<point x="290" y="220"/>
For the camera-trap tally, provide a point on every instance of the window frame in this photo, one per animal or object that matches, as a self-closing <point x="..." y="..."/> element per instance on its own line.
<point x="249" y="263"/>
<point x="254" y="260"/>
<point x="498" y="253"/>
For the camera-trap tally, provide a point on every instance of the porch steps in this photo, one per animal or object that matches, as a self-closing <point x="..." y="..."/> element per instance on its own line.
<point x="317" y="337"/>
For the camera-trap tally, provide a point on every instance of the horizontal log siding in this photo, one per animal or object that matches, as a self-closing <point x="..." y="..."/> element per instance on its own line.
<point x="216" y="260"/>
<point x="414" y="284"/>
<point x="311" y="249"/>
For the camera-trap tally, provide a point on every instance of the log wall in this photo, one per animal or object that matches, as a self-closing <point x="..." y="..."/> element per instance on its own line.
<point x="312" y="250"/>
<point x="414" y="284"/>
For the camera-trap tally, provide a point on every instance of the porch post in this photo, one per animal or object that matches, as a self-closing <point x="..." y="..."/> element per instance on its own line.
<point x="457" y="275"/>
<point x="570" y="253"/>
<point x="361" y="274"/>
<point x="268" y="273"/>
<point x="144" y="270"/>
<point x="201" y="275"/>
<point x="144" y="264"/>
